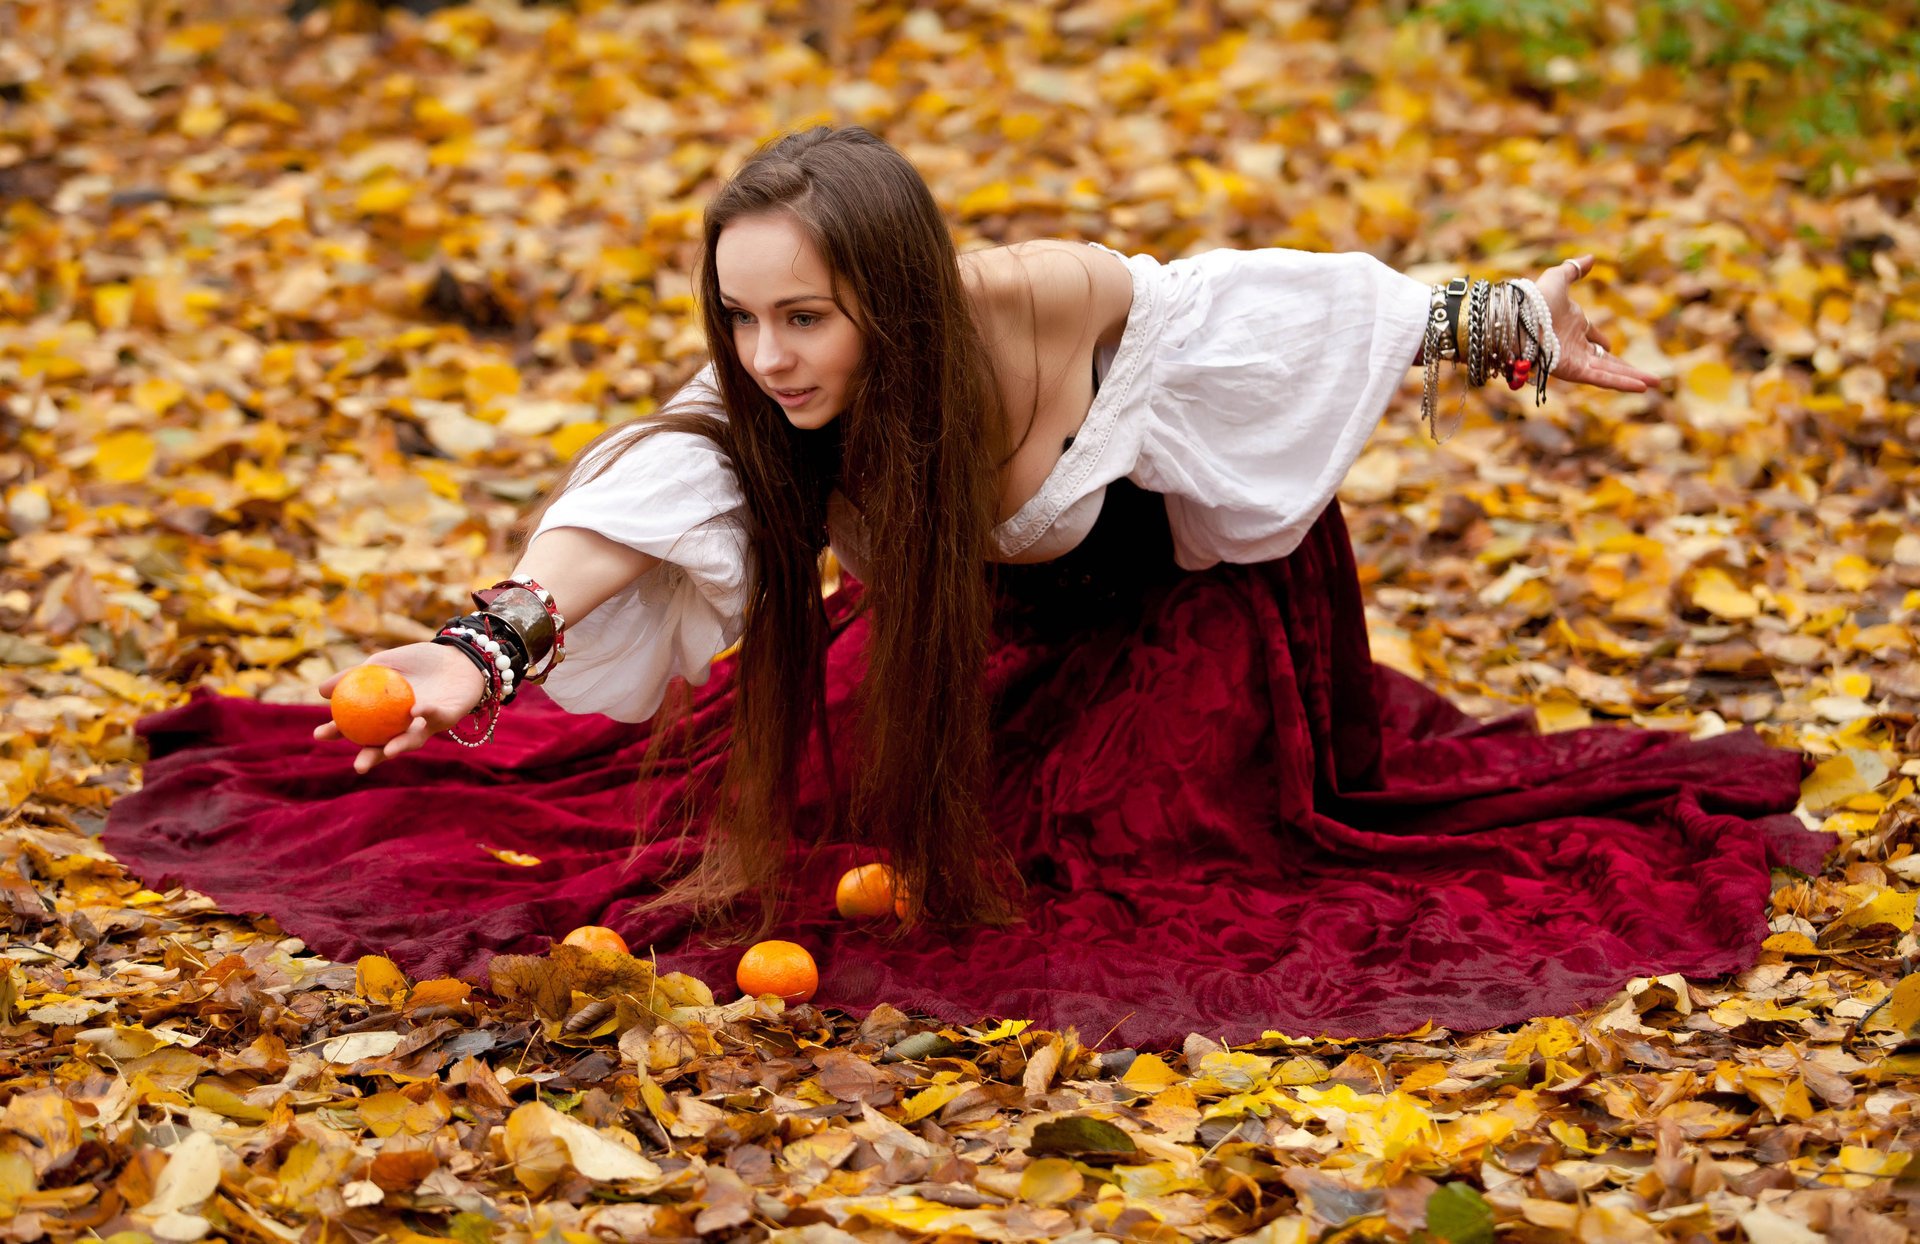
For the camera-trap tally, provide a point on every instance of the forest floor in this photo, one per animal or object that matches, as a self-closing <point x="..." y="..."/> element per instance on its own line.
<point x="295" y="318"/>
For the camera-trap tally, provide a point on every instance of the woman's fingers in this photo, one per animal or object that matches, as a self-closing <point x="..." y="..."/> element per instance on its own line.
<point x="412" y="738"/>
<point x="1608" y="372"/>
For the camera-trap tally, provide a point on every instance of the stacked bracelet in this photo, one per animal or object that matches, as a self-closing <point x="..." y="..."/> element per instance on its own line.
<point x="1508" y="332"/>
<point x="516" y="626"/>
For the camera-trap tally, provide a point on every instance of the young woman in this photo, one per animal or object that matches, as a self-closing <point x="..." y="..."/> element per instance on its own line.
<point x="1102" y="695"/>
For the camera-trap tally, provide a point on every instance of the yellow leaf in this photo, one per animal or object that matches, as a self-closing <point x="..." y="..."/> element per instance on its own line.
<point x="1903" y="1007"/>
<point x="264" y="484"/>
<point x="484" y="382"/>
<point x="1889" y="635"/>
<point x="441" y="991"/>
<point x="1004" y="1029"/>
<point x="538" y="1157"/>
<point x="45" y="1124"/>
<point x="1853" y="573"/>
<point x="1889" y="907"/>
<point x="379" y="979"/>
<point x="195" y="40"/>
<point x="384" y="1112"/>
<point x="1049" y="1181"/>
<point x="571" y="439"/>
<point x="993" y="197"/>
<point x="1720" y="596"/>
<point x="1020" y="127"/>
<point x="516" y="858"/>
<point x="1786" y="1099"/>
<point x="1297" y="1071"/>
<point x="1852" y="822"/>
<point x="156" y="394"/>
<point x="1384" y="198"/>
<point x="1555" y="715"/>
<point x="1859" y="1160"/>
<point x="1839" y="778"/>
<point x="657" y="1104"/>
<point x="1711" y="381"/>
<point x="203" y="119"/>
<point x="125" y="457"/>
<point x="926" y="1101"/>
<point x="1425" y="1076"/>
<point x="384" y="197"/>
<point x="112" y="306"/>
<point x="16" y="1181"/>
<point x="1573" y="1137"/>
<point x="1149" y="1074"/>
<point x="1791" y="943"/>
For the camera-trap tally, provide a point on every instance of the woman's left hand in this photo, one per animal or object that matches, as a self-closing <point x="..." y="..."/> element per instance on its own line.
<point x="1583" y="352"/>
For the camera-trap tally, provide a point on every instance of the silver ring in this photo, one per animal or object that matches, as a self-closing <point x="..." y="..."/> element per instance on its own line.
<point x="1597" y="347"/>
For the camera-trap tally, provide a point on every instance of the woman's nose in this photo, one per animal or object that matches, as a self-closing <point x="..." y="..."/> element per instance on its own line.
<point x="769" y="355"/>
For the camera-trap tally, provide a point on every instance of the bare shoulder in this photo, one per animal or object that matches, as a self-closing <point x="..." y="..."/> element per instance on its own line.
<point x="1050" y="287"/>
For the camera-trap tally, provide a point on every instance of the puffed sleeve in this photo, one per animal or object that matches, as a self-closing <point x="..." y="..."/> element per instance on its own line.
<point x="1265" y="373"/>
<point x="676" y="496"/>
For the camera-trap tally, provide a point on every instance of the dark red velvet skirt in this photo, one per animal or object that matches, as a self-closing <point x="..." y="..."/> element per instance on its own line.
<point x="1229" y="820"/>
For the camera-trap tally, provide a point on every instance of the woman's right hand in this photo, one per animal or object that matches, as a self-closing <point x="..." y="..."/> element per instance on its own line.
<point x="446" y="687"/>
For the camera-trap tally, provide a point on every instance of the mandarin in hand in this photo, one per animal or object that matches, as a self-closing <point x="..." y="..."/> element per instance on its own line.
<point x="372" y="704"/>
<point x="595" y="937"/>
<point x="784" y="969"/>
<point x="867" y="891"/>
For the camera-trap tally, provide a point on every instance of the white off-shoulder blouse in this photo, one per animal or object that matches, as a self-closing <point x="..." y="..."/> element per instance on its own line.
<point x="1242" y="389"/>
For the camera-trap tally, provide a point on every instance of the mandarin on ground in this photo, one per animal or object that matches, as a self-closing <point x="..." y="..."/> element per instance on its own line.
<point x="784" y="969"/>
<point x="866" y="891"/>
<point x="372" y="704"/>
<point x="595" y="937"/>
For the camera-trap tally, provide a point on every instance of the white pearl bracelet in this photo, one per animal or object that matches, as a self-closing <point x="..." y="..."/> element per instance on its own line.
<point x="496" y="653"/>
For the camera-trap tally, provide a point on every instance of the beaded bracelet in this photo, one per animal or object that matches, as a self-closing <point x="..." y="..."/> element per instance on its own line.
<point x="469" y="642"/>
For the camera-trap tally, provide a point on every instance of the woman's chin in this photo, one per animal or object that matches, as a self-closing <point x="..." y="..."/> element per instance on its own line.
<point x="809" y="420"/>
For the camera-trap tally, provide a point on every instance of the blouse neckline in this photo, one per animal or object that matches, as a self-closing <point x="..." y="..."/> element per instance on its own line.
<point x="1062" y="485"/>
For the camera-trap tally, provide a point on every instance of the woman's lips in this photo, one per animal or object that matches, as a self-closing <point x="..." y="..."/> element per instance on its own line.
<point x="791" y="399"/>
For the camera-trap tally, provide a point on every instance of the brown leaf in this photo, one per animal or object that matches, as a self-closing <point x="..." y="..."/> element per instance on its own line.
<point x="401" y="1171"/>
<point x="530" y="980"/>
<point x="851" y="1078"/>
<point x="1041" y="1067"/>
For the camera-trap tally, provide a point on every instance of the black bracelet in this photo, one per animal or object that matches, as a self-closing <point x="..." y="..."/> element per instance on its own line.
<point x="504" y="632"/>
<point x="472" y="654"/>
<point x="1456" y="291"/>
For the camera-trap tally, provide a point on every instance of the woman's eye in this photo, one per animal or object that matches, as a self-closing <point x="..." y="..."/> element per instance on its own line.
<point x="807" y="316"/>
<point x="738" y="317"/>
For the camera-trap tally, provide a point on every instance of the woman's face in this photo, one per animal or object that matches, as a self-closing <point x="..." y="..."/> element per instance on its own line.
<point x="777" y="293"/>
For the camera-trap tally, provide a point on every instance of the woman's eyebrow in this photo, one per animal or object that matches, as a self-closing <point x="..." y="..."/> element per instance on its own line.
<point x="788" y="301"/>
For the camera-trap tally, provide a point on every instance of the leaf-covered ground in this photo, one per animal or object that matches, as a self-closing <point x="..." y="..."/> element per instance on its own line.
<point x="294" y="317"/>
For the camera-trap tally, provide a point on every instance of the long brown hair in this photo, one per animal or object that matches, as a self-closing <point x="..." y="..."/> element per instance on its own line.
<point x="915" y="452"/>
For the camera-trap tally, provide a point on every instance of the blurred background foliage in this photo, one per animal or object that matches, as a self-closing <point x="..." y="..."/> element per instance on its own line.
<point x="1813" y="72"/>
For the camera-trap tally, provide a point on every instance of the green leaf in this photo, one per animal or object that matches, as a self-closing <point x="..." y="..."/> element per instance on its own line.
<point x="1080" y="1137"/>
<point x="1458" y="1214"/>
<point x="470" y="1228"/>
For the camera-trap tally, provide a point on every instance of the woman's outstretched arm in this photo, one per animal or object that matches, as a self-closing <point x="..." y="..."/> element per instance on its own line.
<point x="582" y="569"/>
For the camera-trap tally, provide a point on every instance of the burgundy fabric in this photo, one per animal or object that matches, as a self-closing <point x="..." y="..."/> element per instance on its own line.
<point x="1229" y="820"/>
